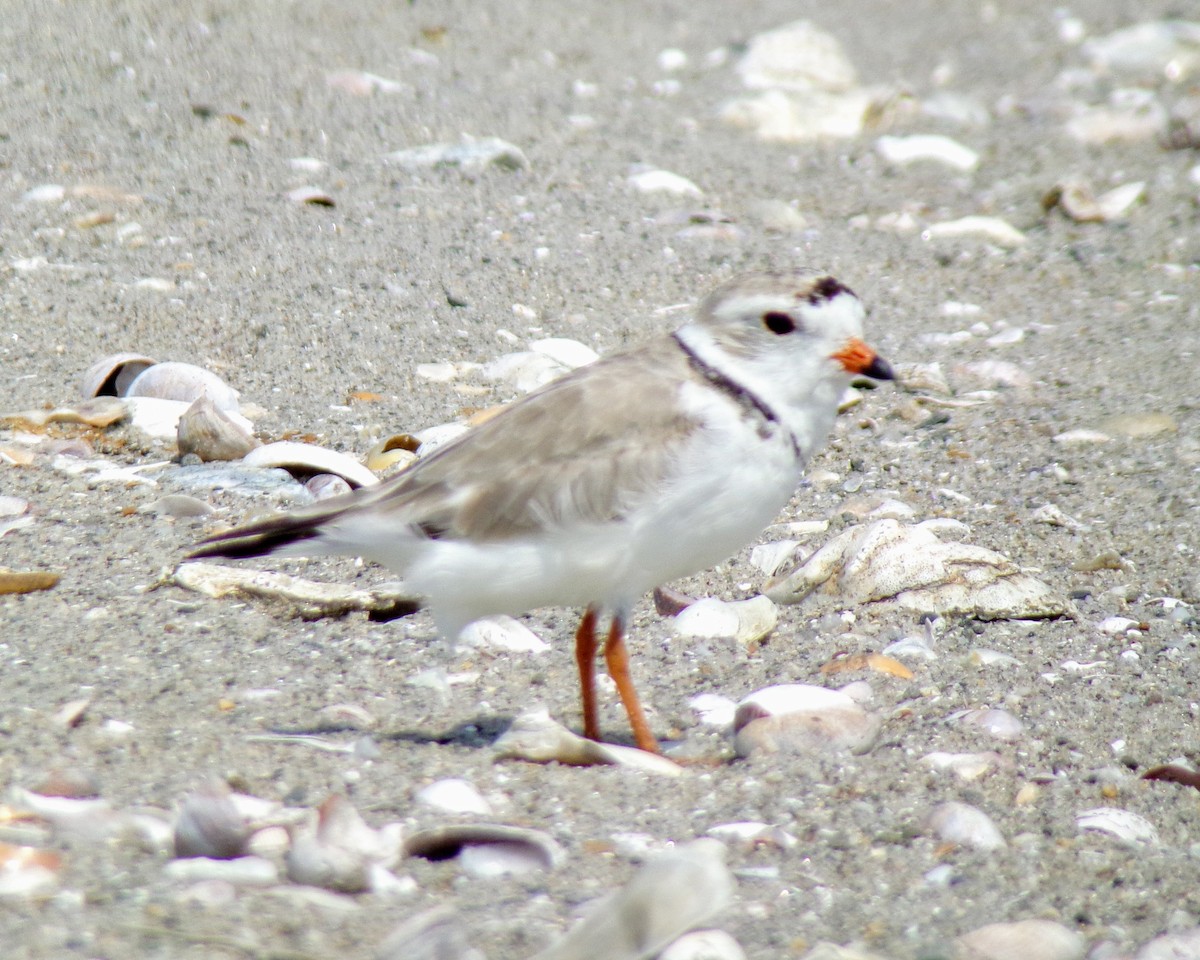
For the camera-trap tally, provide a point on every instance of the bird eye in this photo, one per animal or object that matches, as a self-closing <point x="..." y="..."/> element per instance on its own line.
<point x="779" y="323"/>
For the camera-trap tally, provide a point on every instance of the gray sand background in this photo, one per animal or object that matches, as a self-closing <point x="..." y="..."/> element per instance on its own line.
<point x="298" y="306"/>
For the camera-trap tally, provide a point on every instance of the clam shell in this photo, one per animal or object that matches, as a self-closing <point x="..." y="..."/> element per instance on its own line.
<point x="182" y="381"/>
<point x="211" y="434"/>
<point x="520" y="849"/>
<point x="111" y="376"/>
<point x="306" y="459"/>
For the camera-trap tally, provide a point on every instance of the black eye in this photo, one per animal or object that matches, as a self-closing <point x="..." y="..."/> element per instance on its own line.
<point x="780" y="323"/>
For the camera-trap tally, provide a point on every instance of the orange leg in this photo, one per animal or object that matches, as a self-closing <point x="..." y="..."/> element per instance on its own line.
<point x="585" y="658"/>
<point x="617" y="658"/>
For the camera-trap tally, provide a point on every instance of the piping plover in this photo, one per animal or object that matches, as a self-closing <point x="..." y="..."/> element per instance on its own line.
<point x="648" y="465"/>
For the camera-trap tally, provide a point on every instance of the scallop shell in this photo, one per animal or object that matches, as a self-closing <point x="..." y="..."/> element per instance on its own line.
<point x="182" y="381"/>
<point x="307" y="459"/>
<point x="111" y="376"/>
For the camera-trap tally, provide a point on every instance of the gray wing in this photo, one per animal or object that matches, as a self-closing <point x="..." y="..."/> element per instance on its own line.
<point x="584" y="449"/>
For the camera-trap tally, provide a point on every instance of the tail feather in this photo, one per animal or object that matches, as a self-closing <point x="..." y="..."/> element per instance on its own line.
<point x="286" y="533"/>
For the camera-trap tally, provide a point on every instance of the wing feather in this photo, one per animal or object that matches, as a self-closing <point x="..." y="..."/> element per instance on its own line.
<point x="586" y="449"/>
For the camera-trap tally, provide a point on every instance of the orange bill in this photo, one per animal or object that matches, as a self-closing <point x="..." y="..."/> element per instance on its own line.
<point x="857" y="357"/>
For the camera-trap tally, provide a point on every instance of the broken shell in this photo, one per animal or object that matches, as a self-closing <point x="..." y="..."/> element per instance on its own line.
<point x="26" y="581"/>
<point x="111" y="376"/>
<point x="97" y="412"/>
<point x="1122" y="824"/>
<point x="965" y="766"/>
<point x="326" y="486"/>
<point x="210" y="825"/>
<point x="1033" y="939"/>
<point x="537" y="738"/>
<point x="801" y="718"/>
<point x="394" y="453"/>
<point x="909" y="566"/>
<point x="668" y="896"/>
<point x="797" y="56"/>
<point x="902" y="151"/>
<point x="182" y="381"/>
<point x="992" y="229"/>
<point x="471" y="156"/>
<point x="211" y="434"/>
<point x="996" y="722"/>
<point x="1078" y="202"/>
<point x="306" y="459"/>
<point x="487" y="849"/>
<point x="27" y="871"/>
<point x="747" y="621"/>
<point x="502" y="633"/>
<point x="341" y="851"/>
<point x="967" y="826"/>
<point x="312" y="599"/>
<point x="454" y="795"/>
<point x="704" y="945"/>
<point x="435" y="934"/>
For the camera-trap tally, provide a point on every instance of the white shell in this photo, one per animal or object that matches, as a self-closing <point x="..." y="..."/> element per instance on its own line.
<point x="570" y="353"/>
<point x="966" y="826"/>
<point x="909" y="566"/>
<point x="673" y="893"/>
<point x="902" y="151"/>
<point x="993" y="229"/>
<point x="535" y="737"/>
<point x="112" y="375"/>
<point x="502" y="633"/>
<point x="1032" y="939"/>
<point x="472" y="156"/>
<point x="487" y="850"/>
<point x="183" y="381"/>
<point x="454" y="795"/>
<point x="309" y="458"/>
<point x="747" y="621"/>
<point x="704" y="945"/>
<point x="664" y="181"/>
<point x="1122" y="824"/>
<point x="211" y="433"/>
<point x="798" y="56"/>
<point x="160" y="418"/>
<point x="800" y="718"/>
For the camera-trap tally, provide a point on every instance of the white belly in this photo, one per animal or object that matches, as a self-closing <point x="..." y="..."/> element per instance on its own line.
<point x="729" y="485"/>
